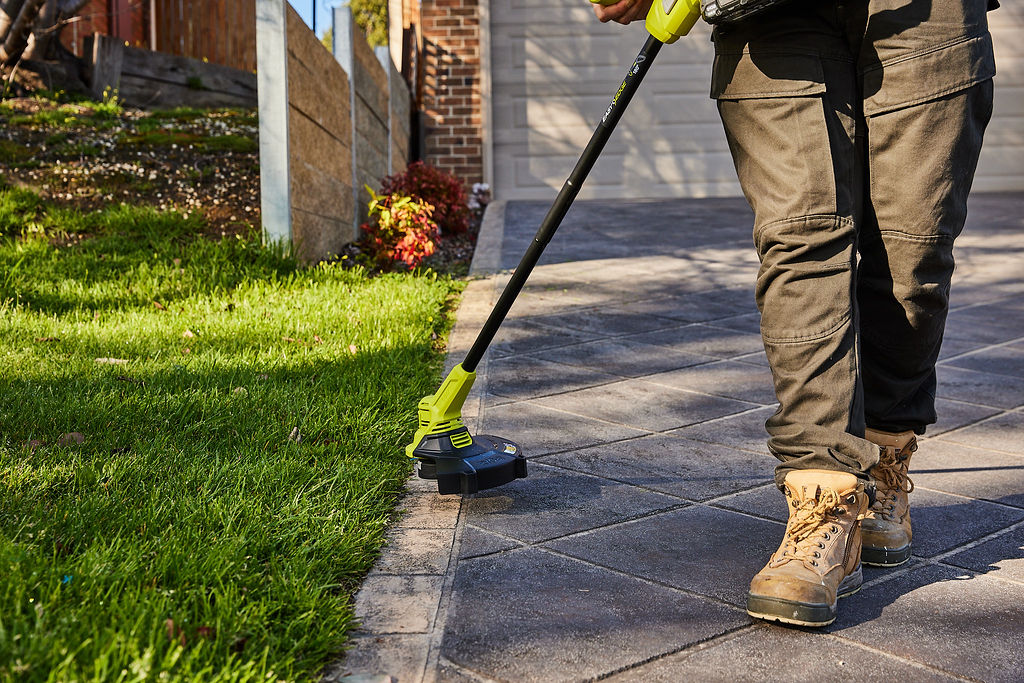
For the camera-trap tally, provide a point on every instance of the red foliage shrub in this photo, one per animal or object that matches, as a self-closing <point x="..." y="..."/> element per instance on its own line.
<point x="441" y="190"/>
<point x="400" y="229"/>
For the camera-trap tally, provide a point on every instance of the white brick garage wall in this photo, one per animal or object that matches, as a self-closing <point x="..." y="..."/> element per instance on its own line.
<point x="1002" y="158"/>
<point x="554" y="67"/>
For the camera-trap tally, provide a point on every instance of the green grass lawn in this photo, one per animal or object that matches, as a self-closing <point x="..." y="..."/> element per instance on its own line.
<point x="191" y="535"/>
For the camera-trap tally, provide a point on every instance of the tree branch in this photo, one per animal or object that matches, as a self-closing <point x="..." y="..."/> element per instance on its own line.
<point x="17" y="37"/>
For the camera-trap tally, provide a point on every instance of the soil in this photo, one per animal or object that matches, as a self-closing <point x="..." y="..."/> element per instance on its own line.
<point x="87" y="157"/>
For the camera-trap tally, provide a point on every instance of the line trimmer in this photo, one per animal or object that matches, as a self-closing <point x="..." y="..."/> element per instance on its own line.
<point x="446" y="451"/>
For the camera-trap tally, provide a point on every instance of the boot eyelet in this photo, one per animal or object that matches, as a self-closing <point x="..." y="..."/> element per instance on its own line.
<point x="851" y="499"/>
<point x="817" y="554"/>
<point x="834" y="530"/>
<point x="826" y="537"/>
<point x="822" y="546"/>
<point x="814" y="563"/>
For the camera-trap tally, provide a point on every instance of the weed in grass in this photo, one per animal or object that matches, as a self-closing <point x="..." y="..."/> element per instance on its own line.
<point x="187" y="534"/>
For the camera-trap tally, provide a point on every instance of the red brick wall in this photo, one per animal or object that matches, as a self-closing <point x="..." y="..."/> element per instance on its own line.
<point x="450" y="101"/>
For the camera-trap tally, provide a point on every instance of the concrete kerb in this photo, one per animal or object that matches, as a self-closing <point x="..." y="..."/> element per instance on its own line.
<point x="403" y="604"/>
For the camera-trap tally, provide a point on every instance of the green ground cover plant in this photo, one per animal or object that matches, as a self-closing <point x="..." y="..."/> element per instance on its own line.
<point x="200" y="443"/>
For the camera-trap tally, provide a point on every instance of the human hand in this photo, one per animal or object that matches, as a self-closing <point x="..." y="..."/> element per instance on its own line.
<point x="624" y="11"/>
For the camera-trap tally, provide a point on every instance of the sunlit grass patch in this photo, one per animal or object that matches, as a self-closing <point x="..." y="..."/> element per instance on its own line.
<point x="241" y="419"/>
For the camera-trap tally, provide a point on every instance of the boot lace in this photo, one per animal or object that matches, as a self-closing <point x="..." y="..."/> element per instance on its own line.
<point x="808" y="527"/>
<point x="891" y="478"/>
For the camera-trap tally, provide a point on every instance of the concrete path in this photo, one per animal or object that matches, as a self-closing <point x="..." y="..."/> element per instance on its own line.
<point x="631" y="371"/>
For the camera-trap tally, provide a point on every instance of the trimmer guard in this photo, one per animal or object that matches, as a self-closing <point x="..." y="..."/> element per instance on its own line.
<point x="486" y="462"/>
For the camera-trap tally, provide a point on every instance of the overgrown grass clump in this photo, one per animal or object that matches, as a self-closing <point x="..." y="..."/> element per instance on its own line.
<point x="243" y="419"/>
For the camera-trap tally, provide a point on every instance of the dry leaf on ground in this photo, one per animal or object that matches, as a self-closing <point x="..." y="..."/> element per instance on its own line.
<point x="71" y="439"/>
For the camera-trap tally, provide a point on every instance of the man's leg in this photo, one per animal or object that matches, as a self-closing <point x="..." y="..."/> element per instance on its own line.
<point x="787" y="94"/>
<point x="928" y="98"/>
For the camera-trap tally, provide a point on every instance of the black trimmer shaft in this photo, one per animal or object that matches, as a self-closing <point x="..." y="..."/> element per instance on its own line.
<point x="446" y="451"/>
<point x="565" y="198"/>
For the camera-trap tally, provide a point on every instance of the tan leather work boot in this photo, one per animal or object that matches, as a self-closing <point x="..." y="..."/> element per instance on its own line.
<point x="819" y="559"/>
<point x="886" y="527"/>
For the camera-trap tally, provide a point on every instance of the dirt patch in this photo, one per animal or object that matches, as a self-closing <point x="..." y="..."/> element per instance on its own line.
<point x="89" y="156"/>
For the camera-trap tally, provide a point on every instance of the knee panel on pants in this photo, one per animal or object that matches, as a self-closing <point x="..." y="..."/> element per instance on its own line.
<point x="805" y="283"/>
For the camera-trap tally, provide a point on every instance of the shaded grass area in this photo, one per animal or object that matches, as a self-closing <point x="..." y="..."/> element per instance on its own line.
<point x="241" y="454"/>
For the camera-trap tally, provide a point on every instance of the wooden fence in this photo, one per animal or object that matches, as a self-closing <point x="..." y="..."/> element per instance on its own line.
<point x="220" y="31"/>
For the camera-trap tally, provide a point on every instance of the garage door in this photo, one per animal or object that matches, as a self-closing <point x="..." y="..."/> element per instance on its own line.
<point x="554" y="68"/>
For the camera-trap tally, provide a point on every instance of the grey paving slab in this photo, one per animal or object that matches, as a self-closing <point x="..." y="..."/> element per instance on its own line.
<point x="1001" y="556"/>
<point x="607" y="321"/>
<point x="998" y="360"/>
<point x="623" y="356"/>
<point x="978" y="473"/>
<point x="696" y="307"/>
<point x="749" y="322"/>
<point x="691" y="469"/>
<point x="763" y="501"/>
<point x="523" y="377"/>
<point x="956" y="347"/>
<point x="539" y="430"/>
<point x="522" y="336"/>
<point x="968" y="624"/>
<point x="992" y="323"/>
<point x="705" y="340"/>
<point x="773" y="653"/>
<point x="728" y="379"/>
<point x="424" y="509"/>
<point x="984" y="388"/>
<point x="957" y="414"/>
<point x="744" y="430"/>
<point x="554" y="502"/>
<point x="477" y="542"/>
<point x="643" y="405"/>
<point x="529" y="615"/>
<point x="1003" y="433"/>
<point x="942" y="522"/>
<point x="699" y="549"/>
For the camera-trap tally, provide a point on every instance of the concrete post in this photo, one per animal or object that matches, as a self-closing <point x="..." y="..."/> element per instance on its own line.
<point x="383" y="54"/>
<point x="344" y="28"/>
<point x="272" y="84"/>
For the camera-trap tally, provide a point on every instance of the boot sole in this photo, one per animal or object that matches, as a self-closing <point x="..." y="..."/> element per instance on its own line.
<point x="884" y="557"/>
<point x="802" y="613"/>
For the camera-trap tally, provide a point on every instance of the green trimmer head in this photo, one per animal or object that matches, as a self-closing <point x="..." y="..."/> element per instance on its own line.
<point x="447" y="452"/>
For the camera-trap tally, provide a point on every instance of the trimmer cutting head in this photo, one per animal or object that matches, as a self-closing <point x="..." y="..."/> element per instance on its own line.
<point x="447" y="452"/>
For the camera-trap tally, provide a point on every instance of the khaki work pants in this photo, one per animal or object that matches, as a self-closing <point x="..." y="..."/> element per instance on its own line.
<point x="855" y="128"/>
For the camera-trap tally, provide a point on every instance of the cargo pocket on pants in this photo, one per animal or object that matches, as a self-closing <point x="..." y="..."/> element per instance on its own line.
<point x="774" y="111"/>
